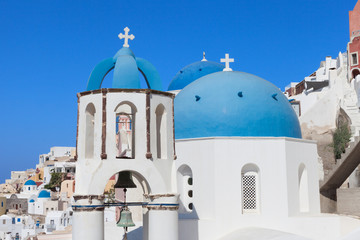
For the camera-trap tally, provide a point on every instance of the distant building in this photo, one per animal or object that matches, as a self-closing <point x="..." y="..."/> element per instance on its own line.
<point x="55" y="152"/>
<point x="2" y="205"/>
<point x="67" y="188"/>
<point x="17" y="204"/>
<point x="58" y="220"/>
<point x="354" y="44"/>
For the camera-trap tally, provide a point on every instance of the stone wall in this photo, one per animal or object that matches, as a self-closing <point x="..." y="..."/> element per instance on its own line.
<point x="348" y="201"/>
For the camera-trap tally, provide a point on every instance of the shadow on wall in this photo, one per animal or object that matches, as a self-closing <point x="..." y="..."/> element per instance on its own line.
<point x="188" y="226"/>
<point x="136" y="234"/>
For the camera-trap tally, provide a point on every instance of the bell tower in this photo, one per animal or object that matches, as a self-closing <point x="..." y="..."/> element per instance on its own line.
<point x="125" y="129"/>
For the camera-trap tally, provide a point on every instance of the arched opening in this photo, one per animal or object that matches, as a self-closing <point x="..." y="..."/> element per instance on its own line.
<point x="161" y="133"/>
<point x="115" y="197"/>
<point x="89" y="130"/>
<point x="303" y="189"/>
<point x="125" y="130"/>
<point x="185" y="189"/>
<point x="355" y="72"/>
<point x="250" y="188"/>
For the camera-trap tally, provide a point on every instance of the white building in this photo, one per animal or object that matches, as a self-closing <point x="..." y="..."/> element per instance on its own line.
<point x="241" y="165"/>
<point x="55" y="152"/>
<point x="16" y="227"/>
<point x="43" y="197"/>
<point x="58" y="220"/>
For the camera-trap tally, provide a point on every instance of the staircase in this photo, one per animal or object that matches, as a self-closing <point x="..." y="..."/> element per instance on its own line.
<point x="342" y="170"/>
<point x="352" y="110"/>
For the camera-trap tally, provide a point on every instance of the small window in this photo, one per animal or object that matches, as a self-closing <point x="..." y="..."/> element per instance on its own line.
<point x="249" y="192"/>
<point x="354" y="59"/>
<point x="190" y="206"/>
<point x="4" y="221"/>
<point x="185" y="186"/>
<point x="190" y="193"/>
<point x="250" y="189"/>
<point x="18" y="219"/>
<point x="190" y="181"/>
<point x="2" y="204"/>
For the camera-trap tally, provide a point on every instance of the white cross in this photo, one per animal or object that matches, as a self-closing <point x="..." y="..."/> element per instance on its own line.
<point x="227" y="60"/>
<point x="126" y="36"/>
<point x="204" y="59"/>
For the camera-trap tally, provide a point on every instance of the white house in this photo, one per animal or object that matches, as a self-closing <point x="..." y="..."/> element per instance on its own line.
<point x="57" y="220"/>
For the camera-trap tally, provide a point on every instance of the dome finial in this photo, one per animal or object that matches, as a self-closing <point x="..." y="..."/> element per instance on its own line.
<point x="204" y="59"/>
<point x="227" y="62"/>
<point x="126" y="36"/>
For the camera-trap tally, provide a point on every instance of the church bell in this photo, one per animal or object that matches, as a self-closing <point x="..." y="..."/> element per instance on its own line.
<point x="125" y="218"/>
<point x="125" y="180"/>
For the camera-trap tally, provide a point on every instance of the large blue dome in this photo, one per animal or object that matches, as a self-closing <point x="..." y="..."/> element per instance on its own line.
<point x="233" y="104"/>
<point x="193" y="72"/>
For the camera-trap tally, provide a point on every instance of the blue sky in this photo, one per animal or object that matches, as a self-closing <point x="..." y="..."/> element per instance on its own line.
<point x="48" y="49"/>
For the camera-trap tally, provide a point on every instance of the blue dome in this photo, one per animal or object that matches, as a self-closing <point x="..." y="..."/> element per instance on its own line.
<point x="193" y="72"/>
<point x="126" y="72"/>
<point x="31" y="201"/>
<point x="30" y="183"/>
<point x="44" y="194"/>
<point x="233" y="104"/>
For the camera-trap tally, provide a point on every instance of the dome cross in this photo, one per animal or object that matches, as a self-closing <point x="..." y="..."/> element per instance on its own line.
<point x="126" y="37"/>
<point x="204" y="59"/>
<point x="227" y="62"/>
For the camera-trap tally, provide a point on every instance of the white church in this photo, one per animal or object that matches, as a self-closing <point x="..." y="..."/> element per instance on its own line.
<point x="219" y="156"/>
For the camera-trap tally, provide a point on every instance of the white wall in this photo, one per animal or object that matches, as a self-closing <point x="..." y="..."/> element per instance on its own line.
<point x="216" y="165"/>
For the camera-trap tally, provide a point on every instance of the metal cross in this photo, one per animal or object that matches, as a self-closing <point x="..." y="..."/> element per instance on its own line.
<point x="227" y="60"/>
<point x="126" y="36"/>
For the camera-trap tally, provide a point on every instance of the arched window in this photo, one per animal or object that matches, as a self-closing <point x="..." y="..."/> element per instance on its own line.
<point x="185" y="188"/>
<point x="355" y="72"/>
<point x="250" y="189"/>
<point x="89" y="130"/>
<point x="161" y="133"/>
<point x="303" y="189"/>
<point x="125" y="130"/>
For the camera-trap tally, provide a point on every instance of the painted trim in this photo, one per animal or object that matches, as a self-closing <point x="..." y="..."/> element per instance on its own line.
<point x="148" y="154"/>
<point x="126" y="90"/>
<point x="77" y="127"/>
<point x="173" y="128"/>
<point x="103" y="134"/>
<point x="249" y="138"/>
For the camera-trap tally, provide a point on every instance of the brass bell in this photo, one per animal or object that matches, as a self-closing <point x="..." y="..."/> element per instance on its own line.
<point x="125" y="218"/>
<point x="125" y="180"/>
